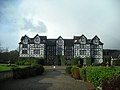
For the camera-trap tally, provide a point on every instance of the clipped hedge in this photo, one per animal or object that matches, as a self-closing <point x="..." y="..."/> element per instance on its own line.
<point x="111" y="83"/>
<point x="74" y="71"/>
<point x="116" y="62"/>
<point x="97" y="74"/>
<point x="68" y="69"/>
<point x="28" y="71"/>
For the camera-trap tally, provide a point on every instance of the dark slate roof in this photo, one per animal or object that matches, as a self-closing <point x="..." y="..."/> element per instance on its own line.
<point x="51" y="41"/>
<point x="31" y="40"/>
<point x="101" y="43"/>
<point x="59" y="37"/>
<point x="88" y="41"/>
<point x="43" y="39"/>
<point x="95" y="37"/>
<point x="68" y="42"/>
<point x="76" y="37"/>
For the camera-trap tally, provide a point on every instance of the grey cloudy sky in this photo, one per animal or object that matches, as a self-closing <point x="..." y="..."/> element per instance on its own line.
<point x="60" y="17"/>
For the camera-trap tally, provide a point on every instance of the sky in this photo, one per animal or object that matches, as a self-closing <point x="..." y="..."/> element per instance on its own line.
<point x="54" y="18"/>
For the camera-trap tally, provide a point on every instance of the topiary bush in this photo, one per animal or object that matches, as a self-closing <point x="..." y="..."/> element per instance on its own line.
<point x="75" y="72"/>
<point x="68" y="69"/>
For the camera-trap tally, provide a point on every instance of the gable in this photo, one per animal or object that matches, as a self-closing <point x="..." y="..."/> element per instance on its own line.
<point x="83" y="39"/>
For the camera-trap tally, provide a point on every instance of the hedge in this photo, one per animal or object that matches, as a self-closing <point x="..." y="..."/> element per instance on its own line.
<point x="73" y="71"/>
<point x="68" y="69"/>
<point x="96" y="75"/>
<point x="116" y="62"/>
<point x="28" y="71"/>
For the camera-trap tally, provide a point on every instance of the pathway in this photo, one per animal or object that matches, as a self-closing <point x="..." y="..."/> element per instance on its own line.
<point x="50" y="80"/>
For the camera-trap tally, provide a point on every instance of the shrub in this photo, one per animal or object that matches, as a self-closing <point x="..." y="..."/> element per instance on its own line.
<point x="74" y="61"/>
<point x="79" y="65"/>
<point x="75" y="73"/>
<point x="116" y="62"/>
<point x="40" y="61"/>
<point x="88" y="61"/>
<point x="83" y="73"/>
<point x="68" y="69"/>
<point x="111" y="83"/>
<point x="97" y="74"/>
<point x="26" y="61"/>
<point x="28" y="71"/>
<point x="39" y="69"/>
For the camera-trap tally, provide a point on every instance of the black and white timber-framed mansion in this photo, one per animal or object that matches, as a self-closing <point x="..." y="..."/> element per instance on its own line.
<point x="79" y="46"/>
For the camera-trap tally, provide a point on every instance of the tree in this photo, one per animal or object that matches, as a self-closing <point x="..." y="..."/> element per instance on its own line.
<point x="11" y="56"/>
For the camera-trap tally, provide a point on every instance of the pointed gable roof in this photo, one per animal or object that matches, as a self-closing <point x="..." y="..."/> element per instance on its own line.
<point x="97" y="38"/>
<point x="83" y="36"/>
<point x="59" y="37"/>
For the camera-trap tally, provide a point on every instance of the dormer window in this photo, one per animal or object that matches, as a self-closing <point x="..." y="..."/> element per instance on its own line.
<point x="82" y="39"/>
<point x="25" y="40"/>
<point x="96" y="41"/>
<point x="37" y="39"/>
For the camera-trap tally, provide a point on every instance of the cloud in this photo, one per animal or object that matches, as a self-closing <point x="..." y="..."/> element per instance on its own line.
<point x="30" y="26"/>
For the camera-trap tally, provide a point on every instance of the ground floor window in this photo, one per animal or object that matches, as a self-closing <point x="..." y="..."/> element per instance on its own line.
<point x="24" y="51"/>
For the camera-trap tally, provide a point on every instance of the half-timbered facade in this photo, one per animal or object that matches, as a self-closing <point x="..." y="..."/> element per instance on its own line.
<point x="79" y="46"/>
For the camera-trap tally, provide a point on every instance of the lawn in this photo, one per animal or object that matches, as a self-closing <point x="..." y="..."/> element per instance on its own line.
<point x="5" y="67"/>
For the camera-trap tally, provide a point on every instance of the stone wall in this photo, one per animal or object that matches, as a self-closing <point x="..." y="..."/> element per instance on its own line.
<point x="6" y="74"/>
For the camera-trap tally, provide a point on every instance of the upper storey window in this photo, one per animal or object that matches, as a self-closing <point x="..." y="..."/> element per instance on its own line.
<point x="60" y="41"/>
<point x="96" y="41"/>
<point x="25" y="41"/>
<point x="37" y="39"/>
<point x="82" y="39"/>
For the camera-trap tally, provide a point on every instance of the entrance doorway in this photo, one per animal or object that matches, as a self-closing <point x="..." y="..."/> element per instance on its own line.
<point x="81" y="61"/>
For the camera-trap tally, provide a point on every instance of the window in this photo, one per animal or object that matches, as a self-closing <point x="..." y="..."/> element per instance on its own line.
<point x="37" y="39"/>
<point x="24" y="46"/>
<point x="25" y="40"/>
<point x="82" y="46"/>
<point x="82" y="52"/>
<point x="36" y="45"/>
<point x="24" y="51"/>
<point x="36" y="51"/>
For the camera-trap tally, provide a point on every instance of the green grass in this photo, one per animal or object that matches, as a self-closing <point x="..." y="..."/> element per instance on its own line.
<point x="5" y="67"/>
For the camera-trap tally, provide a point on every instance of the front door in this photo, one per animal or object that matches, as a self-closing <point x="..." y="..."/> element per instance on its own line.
<point x="81" y="61"/>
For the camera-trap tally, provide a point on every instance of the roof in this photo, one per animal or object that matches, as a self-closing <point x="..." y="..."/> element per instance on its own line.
<point x="31" y="40"/>
<point x="51" y="41"/>
<point x="69" y="42"/>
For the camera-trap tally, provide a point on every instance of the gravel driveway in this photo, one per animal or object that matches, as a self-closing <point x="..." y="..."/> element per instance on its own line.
<point x="49" y="80"/>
